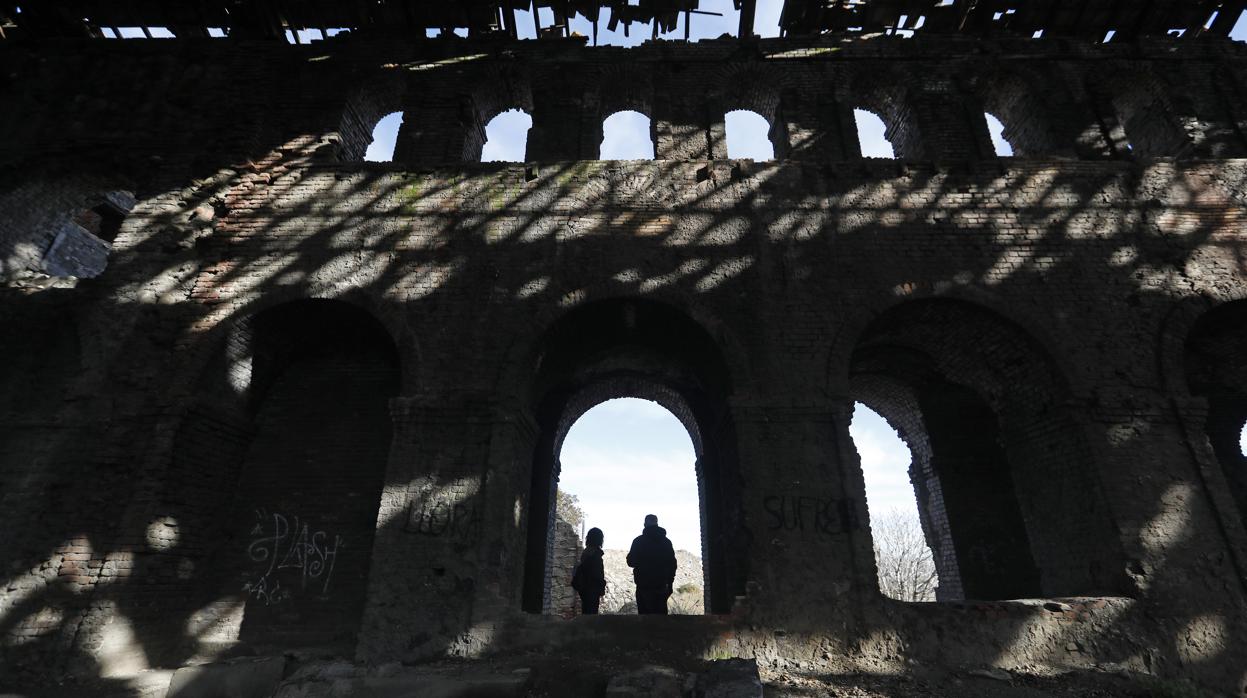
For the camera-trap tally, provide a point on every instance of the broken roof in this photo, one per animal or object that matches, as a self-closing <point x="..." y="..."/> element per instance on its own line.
<point x="415" y="18"/>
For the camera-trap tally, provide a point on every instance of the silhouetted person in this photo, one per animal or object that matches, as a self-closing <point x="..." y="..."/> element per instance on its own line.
<point x="652" y="560"/>
<point x="589" y="580"/>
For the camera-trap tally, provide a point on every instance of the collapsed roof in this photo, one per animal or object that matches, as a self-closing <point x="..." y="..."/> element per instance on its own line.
<point x="257" y="19"/>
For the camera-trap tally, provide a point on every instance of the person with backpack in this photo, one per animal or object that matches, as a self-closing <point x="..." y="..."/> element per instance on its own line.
<point x="589" y="579"/>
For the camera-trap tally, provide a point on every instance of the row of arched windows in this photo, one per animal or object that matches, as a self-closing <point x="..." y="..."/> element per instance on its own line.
<point x="628" y="135"/>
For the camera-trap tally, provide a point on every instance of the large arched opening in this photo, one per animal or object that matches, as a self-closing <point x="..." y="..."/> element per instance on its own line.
<point x="276" y="475"/>
<point x="1216" y="369"/>
<point x="622" y="460"/>
<point x="1008" y="498"/>
<point x="628" y="348"/>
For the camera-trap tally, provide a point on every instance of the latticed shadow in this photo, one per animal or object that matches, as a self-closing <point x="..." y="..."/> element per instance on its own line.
<point x="862" y="271"/>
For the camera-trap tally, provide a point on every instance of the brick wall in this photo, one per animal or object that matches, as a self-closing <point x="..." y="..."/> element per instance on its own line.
<point x="1073" y="277"/>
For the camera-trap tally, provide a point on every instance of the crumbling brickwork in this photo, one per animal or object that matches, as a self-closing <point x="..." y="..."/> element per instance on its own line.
<point x="391" y="353"/>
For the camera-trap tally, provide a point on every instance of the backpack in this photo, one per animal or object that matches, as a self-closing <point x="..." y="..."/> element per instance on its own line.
<point x="576" y="577"/>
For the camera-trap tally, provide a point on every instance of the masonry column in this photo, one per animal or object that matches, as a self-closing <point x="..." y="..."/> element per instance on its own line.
<point x="810" y="556"/>
<point x="682" y="129"/>
<point x="442" y="535"/>
<point x="443" y="128"/>
<point x="1184" y="562"/>
<point x="556" y="133"/>
<point x="816" y="128"/>
<point x="949" y="121"/>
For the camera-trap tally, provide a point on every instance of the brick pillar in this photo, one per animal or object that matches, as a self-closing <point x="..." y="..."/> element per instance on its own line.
<point x="441" y="130"/>
<point x="816" y="128"/>
<point x="557" y="132"/>
<point x="1083" y="123"/>
<point x="427" y="557"/>
<point x="950" y="122"/>
<point x="804" y="501"/>
<point x="683" y="131"/>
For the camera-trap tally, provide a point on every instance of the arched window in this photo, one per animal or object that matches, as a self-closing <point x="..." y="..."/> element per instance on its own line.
<point x="621" y="460"/>
<point x="506" y="137"/>
<point x="872" y="135"/>
<point x="903" y="559"/>
<point x="384" y="138"/>
<point x="627" y="135"/>
<point x="748" y="136"/>
<point x="997" y="131"/>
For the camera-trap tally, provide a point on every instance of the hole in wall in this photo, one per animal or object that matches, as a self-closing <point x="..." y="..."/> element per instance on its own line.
<point x="872" y="135"/>
<point x="748" y="136"/>
<point x="384" y="138"/>
<point x="904" y="564"/>
<point x="627" y="135"/>
<point x="997" y="131"/>
<point x="506" y="137"/>
<point x="82" y="241"/>
<point x="621" y="460"/>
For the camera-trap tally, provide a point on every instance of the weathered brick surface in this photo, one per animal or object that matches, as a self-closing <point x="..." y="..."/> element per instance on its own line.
<point x="759" y="300"/>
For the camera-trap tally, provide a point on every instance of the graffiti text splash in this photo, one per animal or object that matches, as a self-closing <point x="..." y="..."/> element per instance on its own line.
<point x="288" y="547"/>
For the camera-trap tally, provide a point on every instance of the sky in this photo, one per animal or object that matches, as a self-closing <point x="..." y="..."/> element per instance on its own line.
<point x="627" y="458"/>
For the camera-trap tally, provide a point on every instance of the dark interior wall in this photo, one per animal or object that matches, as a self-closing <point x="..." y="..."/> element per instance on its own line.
<point x="42" y="357"/>
<point x="980" y="500"/>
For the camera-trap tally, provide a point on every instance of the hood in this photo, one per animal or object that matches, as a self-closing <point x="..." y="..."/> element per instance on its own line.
<point x="655" y="531"/>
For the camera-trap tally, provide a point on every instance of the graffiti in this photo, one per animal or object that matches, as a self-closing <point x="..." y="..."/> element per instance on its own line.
<point x="805" y="515"/>
<point x="290" y="547"/>
<point x="459" y="521"/>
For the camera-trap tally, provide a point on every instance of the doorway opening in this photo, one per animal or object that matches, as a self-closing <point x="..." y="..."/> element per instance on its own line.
<point x="635" y="348"/>
<point x="622" y="460"/>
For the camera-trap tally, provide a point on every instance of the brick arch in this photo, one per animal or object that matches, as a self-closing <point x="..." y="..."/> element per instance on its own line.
<point x="202" y="340"/>
<point x="501" y="89"/>
<point x="623" y="88"/>
<point x="633" y="347"/>
<point x="849" y="331"/>
<point x="751" y="88"/>
<point x="1008" y="485"/>
<point x="519" y="361"/>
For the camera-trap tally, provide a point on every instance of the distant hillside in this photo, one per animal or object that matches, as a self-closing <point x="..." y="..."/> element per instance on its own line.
<point x="621" y="593"/>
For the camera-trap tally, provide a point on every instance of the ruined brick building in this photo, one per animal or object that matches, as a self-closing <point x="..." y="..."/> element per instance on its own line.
<point x="260" y="393"/>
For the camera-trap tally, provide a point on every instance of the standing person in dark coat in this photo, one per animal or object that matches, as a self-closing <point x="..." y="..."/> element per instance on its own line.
<point x="589" y="580"/>
<point x="652" y="560"/>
